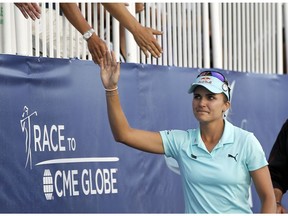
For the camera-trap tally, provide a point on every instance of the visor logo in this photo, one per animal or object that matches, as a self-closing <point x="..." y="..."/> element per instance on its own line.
<point x="205" y="80"/>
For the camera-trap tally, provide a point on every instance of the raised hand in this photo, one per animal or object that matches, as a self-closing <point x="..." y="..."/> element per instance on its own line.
<point x="110" y="71"/>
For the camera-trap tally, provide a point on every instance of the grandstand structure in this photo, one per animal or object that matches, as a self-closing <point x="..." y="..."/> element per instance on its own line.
<point x="246" y="37"/>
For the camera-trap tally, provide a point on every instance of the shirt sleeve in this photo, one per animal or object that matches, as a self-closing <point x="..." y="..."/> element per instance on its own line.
<point x="256" y="158"/>
<point x="172" y="141"/>
<point x="278" y="160"/>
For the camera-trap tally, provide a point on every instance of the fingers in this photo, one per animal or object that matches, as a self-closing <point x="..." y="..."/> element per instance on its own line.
<point x="24" y="13"/>
<point x="149" y="43"/>
<point x="156" y="32"/>
<point x="113" y="59"/>
<point x="110" y="70"/>
<point x="95" y="57"/>
<point x="31" y="10"/>
<point x="35" y="10"/>
<point x="97" y="47"/>
<point x="108" y="58"/>
<point x="96" y="60"/>
<point x="101" y="64"/>
<point x="153" y="48"/>
<point x="156" y="47"/>
<point x="139" y="7"/>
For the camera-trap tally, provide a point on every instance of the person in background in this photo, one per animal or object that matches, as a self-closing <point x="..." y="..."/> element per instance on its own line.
<point x="97" y="47"/>
<point x="217" y="160"/>
<point x="143" y="36"/>
<point x="278" y="166"/>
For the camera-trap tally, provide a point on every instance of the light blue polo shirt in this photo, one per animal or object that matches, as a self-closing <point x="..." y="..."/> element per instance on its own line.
<point x="216" y="182"/>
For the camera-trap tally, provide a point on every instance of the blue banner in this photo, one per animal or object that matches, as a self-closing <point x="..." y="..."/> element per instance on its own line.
<point x="58" y="154"/>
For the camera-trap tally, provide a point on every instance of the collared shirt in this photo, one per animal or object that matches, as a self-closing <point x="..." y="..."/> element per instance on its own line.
<point x="216" y="181"/>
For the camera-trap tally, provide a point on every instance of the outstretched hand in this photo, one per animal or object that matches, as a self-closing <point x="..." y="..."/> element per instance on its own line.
<point x="110" y="70"/>
<point x="97" y="47"/>
<point x="31" y="10"/>
<point x="144" y="37"/>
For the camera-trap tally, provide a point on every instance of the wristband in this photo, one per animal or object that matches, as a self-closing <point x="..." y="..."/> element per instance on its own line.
<point x="110" y="90"/>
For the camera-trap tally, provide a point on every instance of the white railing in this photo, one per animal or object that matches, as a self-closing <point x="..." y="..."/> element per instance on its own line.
<point x="245" y="37"/>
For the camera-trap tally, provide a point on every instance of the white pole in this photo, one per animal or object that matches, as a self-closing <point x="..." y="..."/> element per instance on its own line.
<point x="131" y="46"/>
<point x="143" y="22"/>
<point x="273" y="38"/>
<point x="248" y="34"/>
<point x="261" y="38"/>
<point x="257" y="38"/>
<point x="116" y="40"/>
<point x="51" y="30"/>
<point x="230" y="36"/>
<point x="266" y="39"/>
<point x="36" y="38"/>
<point x="280" y="66"/>
<point x="30" y="41"/>
<point x="194" y="35"/>
<point x="225" y="36"/>
<point x="286" y="31"/>
<point x="239" y="50"/>
<point x="234" y="26"/>
<point x="216" y="35"/>
<point x="21" y="26"/>
<point x="243" y="38"/>
<point x="174" y="36"/>
<point x="159" y="7"/>
<point x="206" y="42"/>
<point x="189" y="35"/>
<point x="153" y="22"/>
<point x="169" y="35"/>
<point x="44" y="30"/>
<point x="164" y="29"/>
<point x="199" y="34"/>
<point x="58" y="30"/>
<point x="252" y="36"/>
<point x="179" y="34"/>
<point x="148" y="14"/>
<point x="184" y="30"/>
<point x="7" y="31"/>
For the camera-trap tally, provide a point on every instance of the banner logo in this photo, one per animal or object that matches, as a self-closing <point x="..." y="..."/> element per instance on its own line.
<point x="85" y="181"/>
<point x="75" y="182"/>
<point x="25" y="123"/>
<point x="48" y="184"/>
